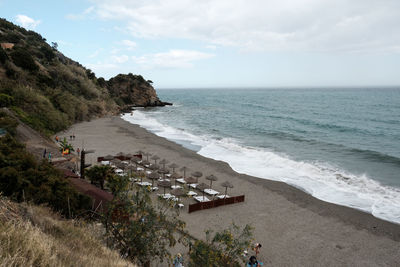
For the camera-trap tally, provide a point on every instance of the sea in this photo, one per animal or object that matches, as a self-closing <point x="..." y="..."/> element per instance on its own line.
<point x="340" y="145"/>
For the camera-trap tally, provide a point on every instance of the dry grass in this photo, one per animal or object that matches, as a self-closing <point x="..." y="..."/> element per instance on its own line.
<point x="34" y="236"/>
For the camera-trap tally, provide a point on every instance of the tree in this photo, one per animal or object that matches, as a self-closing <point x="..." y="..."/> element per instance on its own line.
<point x="117" y="183"/>
<point x="140" y="229"/>
<point x="99" y="174"/>
<point x="64" y="145"/>
<point x="54" y="45"/>
<point x="224" y="249"/>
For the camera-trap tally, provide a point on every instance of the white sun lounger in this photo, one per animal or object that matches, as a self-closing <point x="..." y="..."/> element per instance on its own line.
<point x="175" y="186"/>
<point x="211" y="192"/>
<point x="201" y="198"/>
<point x="193" y="185"/>
<point x="192" y="193"/>
<point x="181" y="180"/>
<point x="222" y="196"/>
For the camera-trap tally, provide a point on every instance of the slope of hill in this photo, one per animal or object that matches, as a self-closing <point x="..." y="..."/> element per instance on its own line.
<point x="34" y="236"/>
<point x="49" y="91"/>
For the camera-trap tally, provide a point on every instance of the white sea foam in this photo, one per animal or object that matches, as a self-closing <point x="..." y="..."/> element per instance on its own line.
<point x="319" y="179"/>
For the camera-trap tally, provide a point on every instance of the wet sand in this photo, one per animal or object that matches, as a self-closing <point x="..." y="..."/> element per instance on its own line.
<point x="294" y="228"/>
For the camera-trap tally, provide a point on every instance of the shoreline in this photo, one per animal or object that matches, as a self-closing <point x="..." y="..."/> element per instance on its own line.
<point x="294" y="227"/>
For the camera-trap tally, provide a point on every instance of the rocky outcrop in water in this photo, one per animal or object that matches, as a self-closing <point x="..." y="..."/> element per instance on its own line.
<point x="134" y="91"/>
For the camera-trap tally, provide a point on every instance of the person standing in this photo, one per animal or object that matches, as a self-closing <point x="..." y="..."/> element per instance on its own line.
<point x="78" y="151"/>
<point x="178" y="261"/>
<point x="257" y="248"/>
<point x="50" y="156"/>
<point x="44" y="153"/>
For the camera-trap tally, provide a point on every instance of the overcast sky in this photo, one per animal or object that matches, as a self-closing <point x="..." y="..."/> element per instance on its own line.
<point x="225" y="43"/>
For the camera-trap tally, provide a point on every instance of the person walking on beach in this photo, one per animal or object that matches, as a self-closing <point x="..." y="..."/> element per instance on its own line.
<point x="253" y="262"/>
<point x="257" y="248"/>
<point x="50" y="156"/>
<point x="56" y="138"/>
<point x="178" y="261"/>
<point x="44" y="153"/>
<point x="78" y="151"/>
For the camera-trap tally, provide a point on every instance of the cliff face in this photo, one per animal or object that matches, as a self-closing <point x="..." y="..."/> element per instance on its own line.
<point x="133" y="90"/>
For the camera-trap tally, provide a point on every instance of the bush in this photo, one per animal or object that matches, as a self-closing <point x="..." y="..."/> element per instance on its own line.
<point x="224" y="249"/>
<point x="6" y="100"/>
<point x="3" y="56"/>
<point x="23" y="59"/>
<point x="47" y="52"/>
<point x="22" y="178"/>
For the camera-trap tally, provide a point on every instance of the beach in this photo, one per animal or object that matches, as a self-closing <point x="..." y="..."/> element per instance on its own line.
<point x="294" y="228"/>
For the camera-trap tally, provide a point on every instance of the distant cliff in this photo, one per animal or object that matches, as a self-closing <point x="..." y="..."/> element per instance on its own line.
<point x="50" y="91"/>
<point x="133" y="90"/>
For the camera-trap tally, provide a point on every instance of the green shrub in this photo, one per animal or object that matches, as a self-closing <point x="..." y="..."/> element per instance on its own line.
<point x="23" y="59"/>
<point x="47" y="52"/>
<point x="3" y="56"/>
<point x="22" y="178"/>
<point x="8" y="123"/>
<point x="6" y="100"/>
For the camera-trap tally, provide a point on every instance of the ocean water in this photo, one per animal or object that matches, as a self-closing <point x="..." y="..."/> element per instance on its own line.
<point x="339" y="145"/>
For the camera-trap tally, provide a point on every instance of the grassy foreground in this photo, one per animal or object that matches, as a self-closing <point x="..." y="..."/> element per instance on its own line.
<point x="34" y="236"/>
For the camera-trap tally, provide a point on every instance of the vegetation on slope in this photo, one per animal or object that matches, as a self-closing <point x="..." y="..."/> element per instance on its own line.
<point x="49" y="91"/>
<point x="22" y="178"/>
<point x="34" y="236"/>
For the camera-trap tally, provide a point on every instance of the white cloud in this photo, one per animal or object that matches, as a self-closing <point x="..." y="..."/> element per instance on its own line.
<point x="82" y="15"/>
<point x="171" y="59"/>
<point x="301" y="25"/>
<point x="95" y="53"/>
<point x="130" y="45"/>
<point x="27" y="22"/>
<point x="120" y="59"/>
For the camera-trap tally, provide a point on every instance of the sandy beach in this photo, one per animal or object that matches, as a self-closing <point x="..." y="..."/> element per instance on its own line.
<point x="294" y="228"/>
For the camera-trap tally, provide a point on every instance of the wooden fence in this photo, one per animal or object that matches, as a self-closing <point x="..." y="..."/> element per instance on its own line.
<point x="99" y="159"/>
<point x="215" y="203"/>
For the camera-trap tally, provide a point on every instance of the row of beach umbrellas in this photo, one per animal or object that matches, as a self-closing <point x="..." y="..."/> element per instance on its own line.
<point x="155" y="167"/>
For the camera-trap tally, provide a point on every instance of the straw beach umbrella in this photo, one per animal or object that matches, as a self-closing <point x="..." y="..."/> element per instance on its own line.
<point x="190" y="180"/>
<point x="155" y="158"/>
<point x="163" y="172"/>
<point x="173" y="166"/>
<point x="184" y="169"/>
<point x="226" y="185"/>
<point x="135" y="160"/>
<point x="175" y="176"/>
<point x="211" y="178"/>
<point x="154" y="167"/>
<point x="147" y="155"/>
<point x="164" y="184"/>
<point x="163" y="162"/>
<point x="153" y="176"/>
<point x="197" y="175"/>
<point x="178" y="192"/>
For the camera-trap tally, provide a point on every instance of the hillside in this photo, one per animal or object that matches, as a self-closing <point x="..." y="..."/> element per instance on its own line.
<point x="50" y="91"/>
<point x="31" y="235"/>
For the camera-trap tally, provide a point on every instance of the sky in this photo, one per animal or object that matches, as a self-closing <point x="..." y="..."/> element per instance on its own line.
<point x="224" y="43"/>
